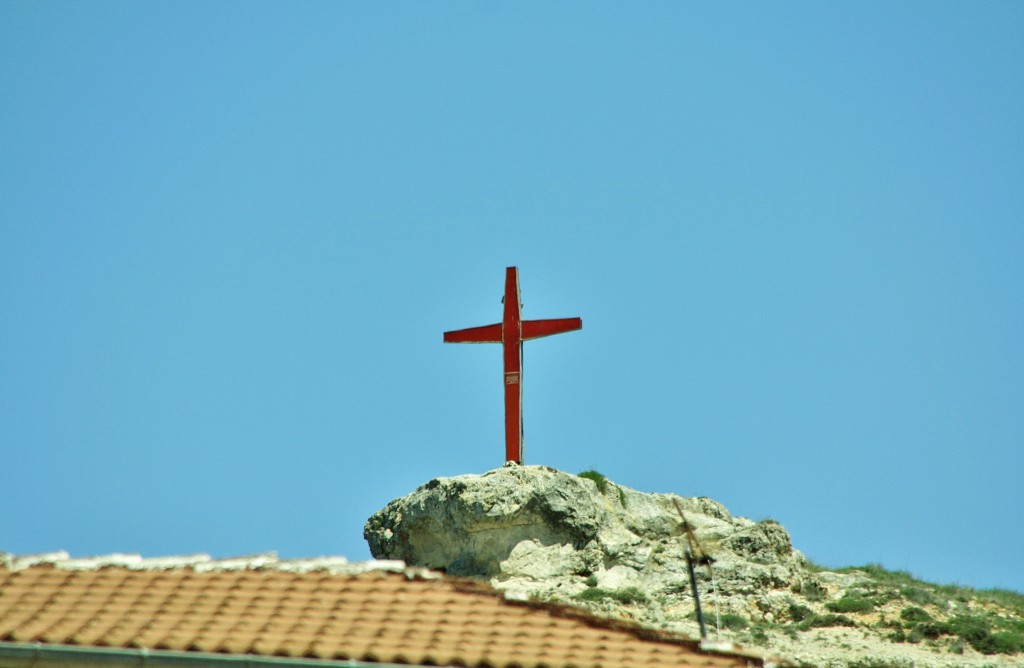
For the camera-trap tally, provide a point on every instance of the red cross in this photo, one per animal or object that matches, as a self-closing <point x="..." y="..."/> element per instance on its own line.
<point x="510" y="333"/>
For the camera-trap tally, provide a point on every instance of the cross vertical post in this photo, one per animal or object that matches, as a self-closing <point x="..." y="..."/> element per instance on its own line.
<point x="510" y="333"/>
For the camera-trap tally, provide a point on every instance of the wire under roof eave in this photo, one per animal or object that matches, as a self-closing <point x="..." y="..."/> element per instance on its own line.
<point x="42" y="655"/>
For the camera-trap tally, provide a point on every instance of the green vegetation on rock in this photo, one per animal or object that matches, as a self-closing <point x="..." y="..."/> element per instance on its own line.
<point x="880" y="663"/>
<point x="851" y="602"/>
<point x="597" y="478"/>
<point x="733" y="621"/>
<point x="626" y="596"/>
<point x="603" y="483"/>
<point x="955" y="612"/>
<point x="820" y="621"/>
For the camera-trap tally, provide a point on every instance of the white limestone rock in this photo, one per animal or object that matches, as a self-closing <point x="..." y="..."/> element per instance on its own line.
<point x="543" y="530"/>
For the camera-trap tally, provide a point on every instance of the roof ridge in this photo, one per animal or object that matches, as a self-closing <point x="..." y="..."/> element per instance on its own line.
<point x="202" y="563"/>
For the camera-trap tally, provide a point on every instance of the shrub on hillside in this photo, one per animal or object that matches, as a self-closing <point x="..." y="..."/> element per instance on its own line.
<point x="851" y="603"/>
<point x="819" y="621"/>
<point x="799" y="613"/>
<point x="914" y="615"/>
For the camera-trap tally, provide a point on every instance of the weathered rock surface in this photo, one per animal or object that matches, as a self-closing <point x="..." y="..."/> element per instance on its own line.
<point x="539" y="532"/>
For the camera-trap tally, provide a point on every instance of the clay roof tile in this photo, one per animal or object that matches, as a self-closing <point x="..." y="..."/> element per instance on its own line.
<point x="369" y="613"/>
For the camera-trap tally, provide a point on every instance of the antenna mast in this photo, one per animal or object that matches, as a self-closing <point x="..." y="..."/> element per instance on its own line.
<point x="694" y="554"/>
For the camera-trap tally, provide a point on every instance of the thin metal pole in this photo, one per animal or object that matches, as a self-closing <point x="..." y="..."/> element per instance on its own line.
<point x="696" y="596"/>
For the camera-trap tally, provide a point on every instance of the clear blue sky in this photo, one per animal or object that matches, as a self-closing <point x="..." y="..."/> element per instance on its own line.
<point x="232" y="234"/>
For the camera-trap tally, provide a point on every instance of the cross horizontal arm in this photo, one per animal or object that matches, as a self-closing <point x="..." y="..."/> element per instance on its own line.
<point x="534" y="329"/>
<point x="485" y="334"/>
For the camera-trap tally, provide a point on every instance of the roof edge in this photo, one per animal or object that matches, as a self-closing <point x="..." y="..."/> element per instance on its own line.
<point x="632" y="627"/>
<point x="41" y="655"/>
<point x="202" y="563"/>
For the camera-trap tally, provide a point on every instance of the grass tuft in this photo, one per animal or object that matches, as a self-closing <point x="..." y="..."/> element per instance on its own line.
<point x="597" y="478"/>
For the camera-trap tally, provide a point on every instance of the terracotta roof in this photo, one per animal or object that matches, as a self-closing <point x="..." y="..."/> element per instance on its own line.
<point x="377" y="612"/>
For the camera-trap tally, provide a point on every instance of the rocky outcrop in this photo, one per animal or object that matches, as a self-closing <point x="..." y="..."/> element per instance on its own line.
<point x="551" y="534"/>
<point x="534" y="531"/>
